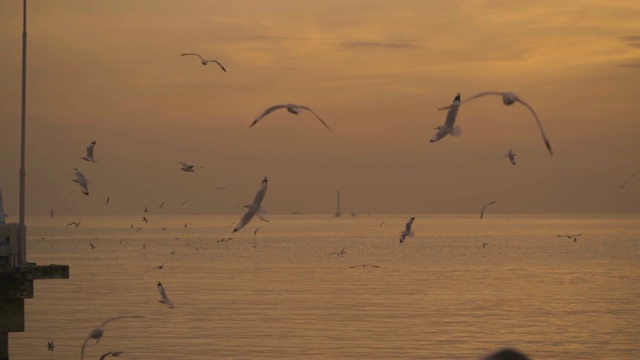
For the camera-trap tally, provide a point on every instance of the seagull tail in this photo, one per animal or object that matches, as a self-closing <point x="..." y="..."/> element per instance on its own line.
<point x="411" y="233"/>
<point x="457" y="131"/>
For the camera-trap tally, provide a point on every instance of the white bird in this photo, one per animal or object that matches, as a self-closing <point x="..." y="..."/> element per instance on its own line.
<point x="292" y="108"/>
<point x="89" y="156"/>
<point x="254" y="207"/>
<point x="99" y="331"/>
<point x="448" y="128"/>
<point x="407" y="230"/>
<point x="512" y="156"/>
<point x="163" y="294"/>
<point x="82" y="181"/>
<point x="111" y="353"/>
<point x="509" y="98"/>
<point x="187" y="167"/>
<point x="484" y="207"/>
<point x="205" y="61"/>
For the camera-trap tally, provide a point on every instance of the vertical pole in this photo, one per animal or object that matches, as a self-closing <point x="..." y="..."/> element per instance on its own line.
<point x="23" y="236"/>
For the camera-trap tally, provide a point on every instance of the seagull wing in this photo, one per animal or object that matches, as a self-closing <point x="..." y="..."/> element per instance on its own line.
<point x="314" y="113"/>
<point x="80" y="177"/>
<point x="245" y="219"/>
<point x="484" y="207"/>
<point x="90" y="150"/>
<point x="194" y="54"/>
<point x="407" y="227"/>
<point x="267" y="112"/>
<point x="163" y="294"/>
<point x="218" y="62"/>
<point x="257" y="200"/>
<point x="485" y="93"/>
<point x="544" y="137"/>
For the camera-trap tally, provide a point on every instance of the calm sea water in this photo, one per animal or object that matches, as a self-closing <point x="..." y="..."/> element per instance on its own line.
<point x="279" y="294"/>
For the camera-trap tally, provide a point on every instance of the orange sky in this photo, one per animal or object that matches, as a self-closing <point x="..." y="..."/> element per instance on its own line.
<point x="375" y="71"/>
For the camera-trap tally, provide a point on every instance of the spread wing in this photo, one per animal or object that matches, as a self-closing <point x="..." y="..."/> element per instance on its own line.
<point x="163" y="294"/>
<point x="245" y="219"/>
<point x="267" y="112"/>
<point x="219" y="64"/>
<point x="194" y="54"/>
<point x="316" y="115"/>
<point x="544" y="137"/>
<point x="260" y="194"/>
<point x="484" y="207"/>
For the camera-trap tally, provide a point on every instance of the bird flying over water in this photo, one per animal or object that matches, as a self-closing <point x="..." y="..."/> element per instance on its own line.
<point x="161" y="266"/>
<point x="163" y="294"/>
<point x="407" y="230"/>
<point x="188" y="167"/>
<point x="512" y="156"/>
<point x="205" y="61"/>
<point x="99" y="331"/>
<point x="50" y="345"/>
<point x="448" y="127"/>
<point x="82" y="181"/>
<point x="364" y="266"/>
<point x="254" y="207"/>
<point x="292" y="108"/>
<point x="92" y="246"/>
<point x="623" y="185"/>
<point x="509" y="98"/>
<point x="484" y="207"/>
<point x="341" y="253"/>
<point x="89" y="155"/>
<point x="111" y="353"/>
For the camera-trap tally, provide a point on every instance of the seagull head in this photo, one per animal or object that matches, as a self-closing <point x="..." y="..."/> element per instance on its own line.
<point x="457" y="98"/>
<point x="292" y="109"/>
<point x="509" y="98"/>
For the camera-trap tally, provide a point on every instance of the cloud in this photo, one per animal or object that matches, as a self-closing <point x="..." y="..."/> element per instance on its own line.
<point x="366" y="44"/>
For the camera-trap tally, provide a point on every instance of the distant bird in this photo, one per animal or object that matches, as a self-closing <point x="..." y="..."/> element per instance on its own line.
<point x="225" y="240"/>
<point x="50" y="345"/>
<point x="448" y="127"/>
<point x="73" y="223"/>
<point x="145" y="210"/>
<point x="51" y="213"/>
<point x="364" y="266"/>
<point x="570" y="236"/>
<point x="188" y="168"/>
<point x="341" y="253"/>
<point x="506" y="354"/>
<point x="82" y="181"/>
<point x="512" y="156"/>
<point x="254" y="207"/>
<point x="111" y="353"/>
<point x="407" y="230"/>
<point x="138" y="229"/>
<point x="221" y="188"/>
<point x="509" y="98"/>
<point x="623" y="185"/>
<point x="185" y="224"/>
<point x="145" y="220"/>
<point x="255" y="232"/>
<point x="99" y="331"/>
<point x="382" y="223"/>
<point x="163" y="294"/>
<point x="292" y="108"/>
<point x="144" y="246"/>
<point x="632" y="175"/>
<point x="163" y="228"/>
<point x="106" y="202"/>
<point x="484" y="207"/>
<point x="161" y="266"/>
<point x="205" y="61"/>
<point x="92" y="246"/>
<point x="185" y="202"/>
<point x="484" y="245"/>
<point x="162" y="205"/>
<point x="89" y="155"/>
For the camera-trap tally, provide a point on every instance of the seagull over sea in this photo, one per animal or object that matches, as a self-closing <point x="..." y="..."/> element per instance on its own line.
<point x="187" y="167"/>
<point x="205" y="61"/>
<point x="89" y="155"/>
<point x="50" y="345"/>
<point x="111" y="353"/>
<point x="106" y="202"/>
<point x="92" y="246"/>
<point x="163" y="294"/>
<point x="448" y="127"/>
<point x="407" y="230"/>
<point x="512" y="156"/>
<point x="99" y="331"/>
<point x="484" y="207"/>
<point x="509" y="98"/>
<point x="623" y="185"/>
<point x="292" y="108"/>
<point x="341" y="253"/>
<point x="82" y="181"/>
<point x="254" y="207"/>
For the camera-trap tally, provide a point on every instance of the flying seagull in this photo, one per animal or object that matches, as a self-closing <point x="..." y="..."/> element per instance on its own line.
<point x="163" y="294"/>
<point x="623" y="185"/>
<point x="99" y="331"/>
<point x="89" y="156"/>
<point x="569" y="236"/>
<point x="341" y="253"/>
<point x="187" y="167"/>
<point x="364" y="266"/>
<point x="632" y="175"/>
<point x="111" y="353"/>
<point x="205" y="61"/>
<point x="221" y="188"/>
<point x="484" y="207"/>
<point x="106" y="202"/>
<point x="407" y="230"/>
<point x="509" y="98"/>
<point x="50" y="345"/>
<point x="292" y="108"/>
<point x="506" y="354"/>
<point x="92" y="246"/>
<point x="448" y="128"/>
<point x="185" y="202"/>
<point x="512" y="156"/>
<point x="82" y="181"/>
<point x="254" y="207"/>
<point x="161" y="266"/>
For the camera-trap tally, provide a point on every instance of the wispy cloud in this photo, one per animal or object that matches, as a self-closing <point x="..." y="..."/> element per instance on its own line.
<point x="366" y="44"/>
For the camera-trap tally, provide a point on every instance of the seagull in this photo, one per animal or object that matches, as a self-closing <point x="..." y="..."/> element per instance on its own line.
<point x="623" y="185"/>
<point x="382" y="223"/>
<point x="509" y="98"/>
<point x="160" y="267"/>
<point x="188" y="168"/>
<point x="82" y="181"/>
<point x="92" y="246"/>
<point x="145" y="209"/>
<point x="50" y="345"/>
<point x="89" y="156"/>
<point x="185" y="224"/>
<point x="145" y="220"/>
<point x="448" y="128"/>
<point x="632" y="175"/>
<point x="254" y="207"/>
<point x="162" y="205"/>
<point x="570" y="236"/>
<point x="484" y="207"/>
<point x="106" y="202"/>
<point x="205" y="61"/>
<point x="292" y="108"/>
<point x="484" y="245"/>
<point x="407" y="230"/>
<point x="341" y="253"/>
<point x="99" y="331"/>
<point x="364" y="266"/>
<point x="255" y="232"/>
<point x="512" y="156"/>
<point x="112" y="353"/>
<point x="221" y="188"/>
<point x="163" y="294"/>
<point x="224" y="240"/>
<point x="185" y="202"/>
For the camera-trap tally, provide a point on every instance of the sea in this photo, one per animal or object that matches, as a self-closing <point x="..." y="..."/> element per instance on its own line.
<point x="459" y="288"/>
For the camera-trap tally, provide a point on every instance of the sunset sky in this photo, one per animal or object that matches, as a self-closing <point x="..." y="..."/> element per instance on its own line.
<point x="376" y="71"/>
